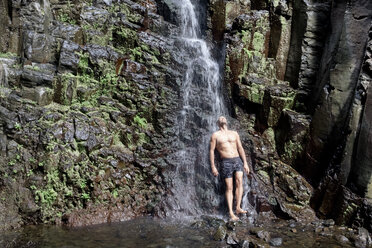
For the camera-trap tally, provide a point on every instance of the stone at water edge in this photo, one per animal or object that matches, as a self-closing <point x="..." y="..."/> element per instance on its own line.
<point x="276" y="241"/>
<point x="220" y="234"/>
<point x="329" y="223"/>
<point x="245" y="244"/>
<point x="342" y="239"/>
<point x="265" y="235"/>
<point x="232" y="239"/>
<point x="231" y="225"/>
<point x="363" y="239"/>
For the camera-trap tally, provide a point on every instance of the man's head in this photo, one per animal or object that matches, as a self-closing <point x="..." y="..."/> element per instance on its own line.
<point x="221" y="121"/>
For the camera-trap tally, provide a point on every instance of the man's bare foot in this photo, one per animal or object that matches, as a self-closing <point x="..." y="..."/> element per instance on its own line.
<point x="234" y="217"/>
<point x="240" y="211"/>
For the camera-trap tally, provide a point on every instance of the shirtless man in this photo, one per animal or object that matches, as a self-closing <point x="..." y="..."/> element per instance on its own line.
<point x="229" y="146"/>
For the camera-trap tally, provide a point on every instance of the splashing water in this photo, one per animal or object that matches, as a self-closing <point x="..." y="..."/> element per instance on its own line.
<point x="202" y="60"/>
<point x="194" y="189"/>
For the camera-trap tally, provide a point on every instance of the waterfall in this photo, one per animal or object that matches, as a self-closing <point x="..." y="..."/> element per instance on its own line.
<point x="190" y="31"/>
<point x="194" y="189"/>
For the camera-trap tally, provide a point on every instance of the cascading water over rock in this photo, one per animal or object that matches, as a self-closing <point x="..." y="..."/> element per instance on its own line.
<point x="193" y="188"/>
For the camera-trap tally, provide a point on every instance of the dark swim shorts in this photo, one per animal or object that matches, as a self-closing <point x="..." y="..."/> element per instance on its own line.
<point x="230" y="165"/>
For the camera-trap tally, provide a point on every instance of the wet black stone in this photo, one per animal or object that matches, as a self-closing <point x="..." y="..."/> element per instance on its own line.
<point x="244" y="244"/>
<point x="265" y="235"/>
<point x="220" y="233"/>
<point x="231" y="225"/>
<point x="276" y="241"/>
<point x="232" y="239"/>
<point x="69" y="57"/>
<point x="329" y="223"/>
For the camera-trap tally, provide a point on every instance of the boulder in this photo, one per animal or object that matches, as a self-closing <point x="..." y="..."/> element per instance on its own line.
<point x="220" y="233"/>
<point x="65" y="88"/>
<point x="39" y="48"/>
<point x="38" y="75"/>
<point x="291" y="133"/>
<point x="276" y="98"/>
<point x="41" y="95"/>
<point x="69" y="56"/>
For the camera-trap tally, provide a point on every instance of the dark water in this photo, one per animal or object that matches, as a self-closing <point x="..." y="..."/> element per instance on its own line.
<point x="142" y="232"/>
<point x="155" y="233"/>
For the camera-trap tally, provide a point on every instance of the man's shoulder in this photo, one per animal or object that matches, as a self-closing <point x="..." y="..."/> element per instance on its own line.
<point x="215" y="134"/>
<point x="233" y="132"/>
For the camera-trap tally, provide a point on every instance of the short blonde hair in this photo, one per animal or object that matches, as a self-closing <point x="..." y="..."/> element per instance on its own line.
<point x="219" y="122"/>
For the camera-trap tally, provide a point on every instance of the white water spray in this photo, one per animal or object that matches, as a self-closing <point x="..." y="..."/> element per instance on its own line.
<point x="194" y="189"/>
<point x="190" y="32"/>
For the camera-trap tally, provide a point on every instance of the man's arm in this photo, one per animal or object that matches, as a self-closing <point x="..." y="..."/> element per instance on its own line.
<point x="211" y="154"/>
<point x="242" y="153"/>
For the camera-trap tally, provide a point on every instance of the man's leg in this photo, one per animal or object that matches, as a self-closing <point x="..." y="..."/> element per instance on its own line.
<point x="229" y="197"/>
<point x="239" y="191"/>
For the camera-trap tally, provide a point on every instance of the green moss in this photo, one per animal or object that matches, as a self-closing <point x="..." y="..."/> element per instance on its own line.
<point x="142" y="138"/>
<point x="277" y="104"/>
<point x="126" y="33"/>
<point x="254" y="92"/>
<point x="154" y="60"/>
<point x="292" y="150"/>
<point x="46" y="196"/>
<point x="32" y="67"/>
<point x="17" y="126"/>
<point x="258" y="42"/>
<point x="8" y="55"/>
<point x="246" y="37"/>
<point x="102" y="39"/>
<point x="65" y="17"/>
<point x="140" y="122"/>
<point x="129" y="141"/>
<point x="85" y="73"/>
<point x="275" y="3"/>
<point x="83" y="64"/>
<point x="85" y="196"/>
<point x="115" y="193"/>
<point x="264" y="174"/>
<point x="65" y="88"/>
<point x="131" y="16"/>
<point x="109" y="77"/>
<point x="136" y="54"/>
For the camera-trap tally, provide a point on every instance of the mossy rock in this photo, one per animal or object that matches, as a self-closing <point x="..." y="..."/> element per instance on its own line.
<point x="220" y="233"/>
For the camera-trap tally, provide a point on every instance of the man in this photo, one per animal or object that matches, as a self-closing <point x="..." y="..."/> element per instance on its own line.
<point x="229" y="146"/>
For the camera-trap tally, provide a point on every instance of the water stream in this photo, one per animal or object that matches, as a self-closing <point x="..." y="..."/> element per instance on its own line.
<point x="155" y="233"/>
<point x="194" y="191"/>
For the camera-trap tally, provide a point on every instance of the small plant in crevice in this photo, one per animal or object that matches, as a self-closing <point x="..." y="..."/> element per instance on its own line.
<point x="17" y="126"/>
<point x="140" y="122"/>
<point x="65" y="18"/>
<point x="12" y="162"/>
<point x="85" y="196"/>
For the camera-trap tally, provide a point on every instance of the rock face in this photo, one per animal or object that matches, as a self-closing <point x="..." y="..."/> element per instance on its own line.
<point x="307" y="103"/>
<point x="256" y="56"/>
<point x="90" y="93"/>
<point x="84" y="107"/>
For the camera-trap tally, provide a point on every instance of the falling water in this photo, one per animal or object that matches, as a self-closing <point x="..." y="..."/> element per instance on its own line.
<point x="190" y="31"/>
<point x="194" y="189"/>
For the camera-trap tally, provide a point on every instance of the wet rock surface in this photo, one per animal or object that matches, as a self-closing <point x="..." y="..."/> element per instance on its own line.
<point x="85" y="105"/>
<point x="90" y="96"/>
<point x="290" y="101"/>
